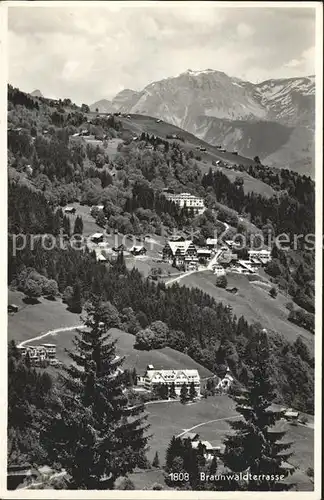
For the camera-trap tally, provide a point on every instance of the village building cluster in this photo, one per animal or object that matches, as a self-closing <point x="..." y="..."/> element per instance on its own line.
<point x="184" y="254"/>
<point x="39" y="355"/>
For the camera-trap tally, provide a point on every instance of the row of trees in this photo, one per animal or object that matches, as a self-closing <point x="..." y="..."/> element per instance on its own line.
<point x="163" y="391"/>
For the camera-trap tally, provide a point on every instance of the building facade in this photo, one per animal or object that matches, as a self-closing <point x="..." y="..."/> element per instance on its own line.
<point x="154" y="377"/>
<point x="38" y="354"/>
<point x="188" y="200"/>
<point x="181" y="254"/>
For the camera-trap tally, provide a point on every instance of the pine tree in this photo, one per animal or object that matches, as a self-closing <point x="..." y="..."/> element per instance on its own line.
<point x="184" y="393"/>
<point x="92" y="431"/>
<point x="156" y="460"/>
<point x="75" y="302"/>
<point x="213" y="466"/>
<point x="192" y="391"/>
<point x="66" y="225"/>
<point x="175" y="449"/>
<point x="255" y="447"/>
<point x="78" y="225"/>
<point x="172" y="391"/>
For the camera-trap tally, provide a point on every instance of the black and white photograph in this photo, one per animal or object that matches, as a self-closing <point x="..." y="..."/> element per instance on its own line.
<point x="162" y="206"/>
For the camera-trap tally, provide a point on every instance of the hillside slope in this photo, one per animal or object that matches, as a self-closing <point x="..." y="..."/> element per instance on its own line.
<point x="33" y="320"/>
<point x="136" y="124"/>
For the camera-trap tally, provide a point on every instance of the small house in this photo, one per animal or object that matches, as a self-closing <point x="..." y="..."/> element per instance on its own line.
<point x="12" y="308"/>
<point x="219" y="270"/>
<point x="138" y="250"/>
<point x="211" y="243"/>
<point x="208" y="448"/>
<point x="101" y="258"/>
<point x="291" y="415"/>
<point x="203" y="253"/>
<point x="70" y="210"/>
<point x="97" y="237"/>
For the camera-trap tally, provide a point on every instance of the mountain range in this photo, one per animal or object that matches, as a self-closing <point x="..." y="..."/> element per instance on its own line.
<point x="274" y="119"/>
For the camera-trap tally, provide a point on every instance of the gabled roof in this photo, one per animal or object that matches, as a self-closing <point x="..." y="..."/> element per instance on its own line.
<point x="171" y="375"/>
<point x="97" y="235"/>
<point x="191" y="435"/>
<point x="182" y="246"/>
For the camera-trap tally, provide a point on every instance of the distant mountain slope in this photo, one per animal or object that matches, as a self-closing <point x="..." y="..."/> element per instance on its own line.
<point x="259" y="119"/>
<point x="36" y="93"/>
<point x="103" y="106"/>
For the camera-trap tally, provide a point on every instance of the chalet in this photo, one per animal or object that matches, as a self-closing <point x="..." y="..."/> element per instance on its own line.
<point x="180" y="253"/>
<point x="120" y="248"/>
<point x="96" y="207"/>
<point x="192" y="266"/>
<point x="291" y="415"/>
<point x="203" y="253"/>
<point x="138" y="250"/>
<point x="154" y="377"/>
<point x="227" y="258"/>
<point x="70" y="210"/>
<point x="263" y="255"/>
<point x="18" y="474"/>
<point x="211" y="243"/>
<point x="97" y="237"/>
<point x="209" y="450"/>
<point x="248" y="265"/>
<point x="29" y="170"/>
<point x="233" y="244"/>
<point x="225" y="383"/>
<point x="12" y="308"/>
<point x="101" y="258"/>
<point x="219" y="270"/>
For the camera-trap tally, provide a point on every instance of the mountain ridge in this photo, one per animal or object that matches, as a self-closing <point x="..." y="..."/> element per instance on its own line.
<point x="197" y="100"/>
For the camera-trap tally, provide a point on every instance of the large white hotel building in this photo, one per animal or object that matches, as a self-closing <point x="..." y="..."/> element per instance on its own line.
<point x="188" y="200"/>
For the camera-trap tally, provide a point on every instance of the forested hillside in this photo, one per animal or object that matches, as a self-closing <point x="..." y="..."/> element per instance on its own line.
<point x="50" y="165"/>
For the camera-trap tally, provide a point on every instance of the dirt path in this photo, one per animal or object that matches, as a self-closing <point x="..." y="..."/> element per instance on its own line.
<point x="174" y="280"/>
<point x="205" y="423"/>
<point x="51" y="332"/>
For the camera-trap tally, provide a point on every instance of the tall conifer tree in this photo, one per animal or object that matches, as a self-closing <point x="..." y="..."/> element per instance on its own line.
<point x="256" y="447"/>
<point x="93" y="432"/>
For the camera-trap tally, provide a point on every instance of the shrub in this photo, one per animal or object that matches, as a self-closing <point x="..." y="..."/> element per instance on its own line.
<point x="221" y="281"/>
<point x="273" y="292"/>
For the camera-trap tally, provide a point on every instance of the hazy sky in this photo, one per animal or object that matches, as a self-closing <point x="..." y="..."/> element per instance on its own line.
<point x="89" y="53"/>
